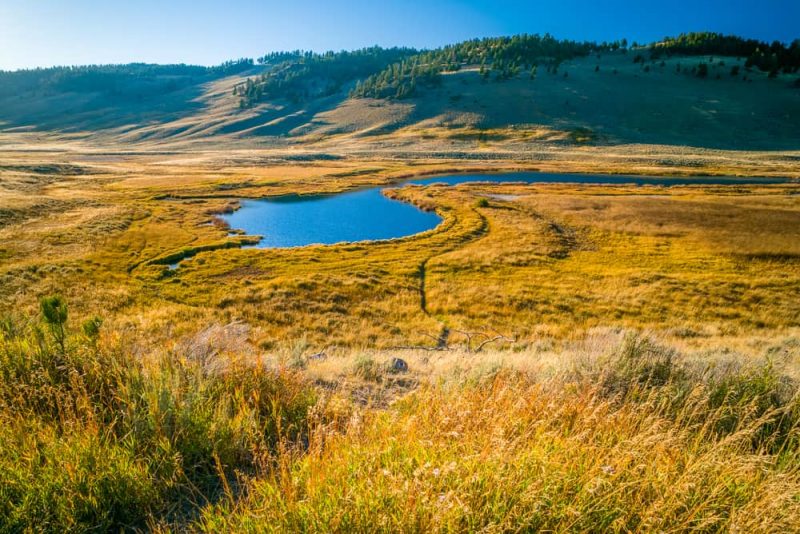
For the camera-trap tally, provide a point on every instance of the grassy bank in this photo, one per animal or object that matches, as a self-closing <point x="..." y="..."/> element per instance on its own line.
<point x="96" y="434"/>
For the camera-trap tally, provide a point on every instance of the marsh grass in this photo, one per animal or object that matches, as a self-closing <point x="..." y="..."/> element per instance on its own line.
<point x="561" y="258"/>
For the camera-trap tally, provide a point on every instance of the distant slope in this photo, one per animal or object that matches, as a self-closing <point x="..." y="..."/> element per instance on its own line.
<point x="617" y="100"/>
<point x="98" y="97"/>
<point x="674" y="92"/>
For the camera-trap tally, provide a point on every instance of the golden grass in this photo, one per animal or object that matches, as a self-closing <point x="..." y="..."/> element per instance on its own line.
<point x="619" y="433"/>
<point x="251" y="390"/>
<point x="554" y="261"/>
<point x="511" y="455"/>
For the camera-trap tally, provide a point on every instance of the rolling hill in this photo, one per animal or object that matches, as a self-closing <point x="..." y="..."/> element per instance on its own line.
<point x="706" y="94"/>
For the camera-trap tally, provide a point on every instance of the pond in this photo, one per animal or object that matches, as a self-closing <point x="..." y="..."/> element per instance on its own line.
<point x="361" y="215"/>
<point x="366" y="214"/>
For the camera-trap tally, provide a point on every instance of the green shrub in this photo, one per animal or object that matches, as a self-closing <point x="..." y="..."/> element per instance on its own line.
<point x="75" y="483"/>
<point x="91" y="328"/>
<point x="367" y="368"/>
<point x="761" y="399"/>
<point x="54" y="312"/>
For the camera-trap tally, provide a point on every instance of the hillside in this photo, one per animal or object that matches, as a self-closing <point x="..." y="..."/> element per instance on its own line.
<point x="573" y="92"/>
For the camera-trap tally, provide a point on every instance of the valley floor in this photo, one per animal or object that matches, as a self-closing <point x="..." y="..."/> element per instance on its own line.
<point x="580" y="358"/>
<point x="527" y="262"/>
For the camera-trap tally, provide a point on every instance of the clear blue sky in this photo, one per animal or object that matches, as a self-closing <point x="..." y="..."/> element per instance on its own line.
<point x="66" y="32"/>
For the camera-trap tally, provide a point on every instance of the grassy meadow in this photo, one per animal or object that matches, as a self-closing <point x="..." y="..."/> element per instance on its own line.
<point x="524" y="262"/>
<point x="575" y="358"/>
<point x="580" y="358"/>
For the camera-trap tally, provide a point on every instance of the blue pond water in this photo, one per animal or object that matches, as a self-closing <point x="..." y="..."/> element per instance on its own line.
<point x="293" y="221"/>
<point x="366" y="214"/>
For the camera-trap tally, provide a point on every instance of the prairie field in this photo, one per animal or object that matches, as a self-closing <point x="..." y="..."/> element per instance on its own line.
<point x="552" y="357"/>
<point x="524" y="262"/>
<point x="577" y="357"/>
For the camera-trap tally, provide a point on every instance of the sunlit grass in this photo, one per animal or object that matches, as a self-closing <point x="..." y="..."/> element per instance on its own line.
<point x="255" y="389"/>
<point x="507" y="453"/>
<point x="558" y="260"/>
<point x="629" y="436"/>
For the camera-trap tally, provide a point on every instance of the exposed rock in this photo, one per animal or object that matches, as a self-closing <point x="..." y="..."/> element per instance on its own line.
<point x="398" y="365"/>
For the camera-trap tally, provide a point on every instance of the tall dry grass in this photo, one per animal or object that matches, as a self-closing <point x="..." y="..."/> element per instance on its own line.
<point x="98" y="437"/>
<point x="94" y="437"/>
<point x="641" y="444"/>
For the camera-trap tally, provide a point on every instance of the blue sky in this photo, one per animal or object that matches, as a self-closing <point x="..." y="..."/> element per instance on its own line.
<point x="67" y="32"/>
